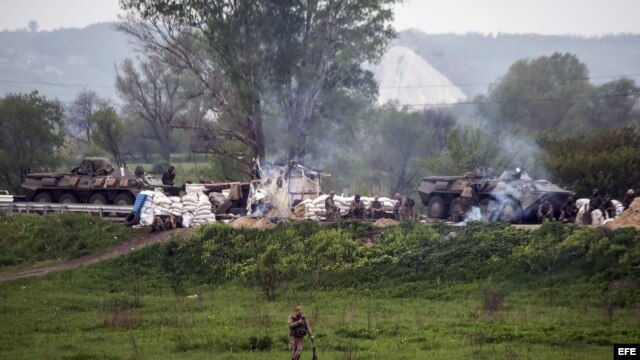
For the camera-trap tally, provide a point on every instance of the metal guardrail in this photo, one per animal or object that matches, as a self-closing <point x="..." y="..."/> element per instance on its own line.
<point x="35" y="207"/>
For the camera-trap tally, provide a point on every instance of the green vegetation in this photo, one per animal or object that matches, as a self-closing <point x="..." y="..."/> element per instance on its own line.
<point x="419" y="291"/>
<point x="28" y="238"/>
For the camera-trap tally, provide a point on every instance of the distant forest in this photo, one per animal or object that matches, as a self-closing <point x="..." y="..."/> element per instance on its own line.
<point x="60" y="63"/>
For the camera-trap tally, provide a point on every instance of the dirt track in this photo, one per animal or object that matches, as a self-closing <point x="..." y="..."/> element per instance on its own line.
<point x="109" y="253"/>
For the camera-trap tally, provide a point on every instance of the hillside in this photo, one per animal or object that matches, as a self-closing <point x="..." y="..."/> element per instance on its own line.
<point x="60" y="63"/>
<point x="474" y="60"/>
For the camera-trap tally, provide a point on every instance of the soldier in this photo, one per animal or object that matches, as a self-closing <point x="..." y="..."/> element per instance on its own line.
<point x="628" y="199"/>
<point x="608" y="209"/>
<point x="357" y="209"/>
<point x="400" y="209"/>
<point x="376" y="209"/>
<point x="545" y="210"/>
<point x="594" y="203"/>
<point x="298" y="328"/>
<point x="568" y="211"/>
<point x="330" y="207"/>
<point x="168" y="176"/>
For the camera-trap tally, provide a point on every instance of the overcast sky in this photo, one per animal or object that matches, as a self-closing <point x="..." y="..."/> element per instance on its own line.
<point x="579" y="17"/>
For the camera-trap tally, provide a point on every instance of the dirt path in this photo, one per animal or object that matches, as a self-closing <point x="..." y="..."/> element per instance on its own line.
<point x="114" y="251"/>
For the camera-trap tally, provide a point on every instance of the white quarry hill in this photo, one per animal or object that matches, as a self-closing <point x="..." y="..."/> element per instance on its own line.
<point x="406" y="78"/>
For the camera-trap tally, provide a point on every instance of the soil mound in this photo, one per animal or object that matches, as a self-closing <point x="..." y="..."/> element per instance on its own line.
<point x="248" y="222"/>
<point x="629" y="218"/>
<point x="382" y="223"/>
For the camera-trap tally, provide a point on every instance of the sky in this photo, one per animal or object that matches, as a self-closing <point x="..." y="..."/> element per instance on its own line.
<point x="549" y="17"/>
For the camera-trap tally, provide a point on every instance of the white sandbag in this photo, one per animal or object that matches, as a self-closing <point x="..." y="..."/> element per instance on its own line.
<point x="150" y="194"/>
<point x="320" y="199"/>
<point x="146" y="219"/>
<point x="191" y="209"/>
<point x="193" y="188"/>
<point x="175" y="199"/>
<point x="187" y="220"/>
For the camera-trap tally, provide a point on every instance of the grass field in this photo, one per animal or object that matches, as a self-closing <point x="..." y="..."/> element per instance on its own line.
<point x="195" y="298"/>
<point x="70" y="315"/>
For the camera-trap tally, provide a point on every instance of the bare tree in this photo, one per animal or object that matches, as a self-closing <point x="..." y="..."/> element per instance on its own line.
<point x="79" y="125"/>
<point x="156" y="94"/>
<point x="229" y="94"/>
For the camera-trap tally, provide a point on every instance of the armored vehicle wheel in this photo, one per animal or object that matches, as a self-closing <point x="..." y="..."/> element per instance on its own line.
<point x="510" y="211"/>
<point x="67" y="198"/>
<point x="457" y="210"/>
<point x="123" y="199"/>
<point x="436" y="208"/>
<point x="43" y="197"/>
<point x="98" y="199"/>
<point x="489" y="209"/>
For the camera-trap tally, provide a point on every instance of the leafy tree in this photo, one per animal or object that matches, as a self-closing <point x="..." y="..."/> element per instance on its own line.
<point x="78" y="124"/>
<point x="553" y="92"/>
<point x="537" y="94"/>
<point x="242" y="51"/>
<point x="31" y="136"/>
<point x="467" y="148"/>
<point x="109" y="132"/>
<point x="156" y="94"/>
<point x="607" y="159"/>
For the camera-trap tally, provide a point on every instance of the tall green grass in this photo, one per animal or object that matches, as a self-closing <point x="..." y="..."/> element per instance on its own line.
<point x="481" y="292"/>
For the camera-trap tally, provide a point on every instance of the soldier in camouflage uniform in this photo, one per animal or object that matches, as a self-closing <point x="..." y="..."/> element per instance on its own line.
<point x="330" y="207"/>
<point x="298" y="329"/>
<point x="357" y="208"/>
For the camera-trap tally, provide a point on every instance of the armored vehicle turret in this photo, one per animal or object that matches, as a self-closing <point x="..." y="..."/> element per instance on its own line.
<point x="95" y="181"/>
<point x="512" y="197"/>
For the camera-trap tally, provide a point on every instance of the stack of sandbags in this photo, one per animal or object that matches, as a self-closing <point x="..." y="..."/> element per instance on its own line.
<point x="162" y="204"/>
<point x="203" y="214"/>
<point x="189" y="207"/>
<point x="315" y="209"/>
<point x="176" y="206"/>
<point x="147" y="211"/>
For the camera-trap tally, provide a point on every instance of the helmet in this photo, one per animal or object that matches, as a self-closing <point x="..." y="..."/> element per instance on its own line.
<point x="630" y="192"/>
<point x="397" y="196"/>
<point x="594" y="191"/>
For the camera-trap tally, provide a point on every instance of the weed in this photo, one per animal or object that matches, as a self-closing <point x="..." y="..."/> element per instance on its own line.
<point x="492" y="301"/>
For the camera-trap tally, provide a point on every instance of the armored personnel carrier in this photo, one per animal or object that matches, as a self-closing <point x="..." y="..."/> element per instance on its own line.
<point x="511" y="197"/>
<point x="95" y="181"/>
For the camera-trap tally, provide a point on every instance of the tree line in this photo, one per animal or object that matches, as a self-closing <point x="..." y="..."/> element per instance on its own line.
<point x="285" y="80"/>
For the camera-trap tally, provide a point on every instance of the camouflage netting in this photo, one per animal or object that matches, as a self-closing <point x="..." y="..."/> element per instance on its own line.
<point x="96" y="166"/>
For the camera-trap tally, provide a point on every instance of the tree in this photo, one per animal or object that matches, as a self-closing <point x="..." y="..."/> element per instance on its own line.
<point x="318" y="50"/>
<point x="553" y="92"/>
<point x="467" y="148"/>
<point x="608" y="159"/>
<point x="78" y="124"/>
<point x="156" y="94"/>
<point x="33" y="26"/>
<point x="441" y="122"/>
<point x="31" y="136"/>
<point x="538" y="94"/>
<point x="243" y="50"/>
<point x="109" y="132"/>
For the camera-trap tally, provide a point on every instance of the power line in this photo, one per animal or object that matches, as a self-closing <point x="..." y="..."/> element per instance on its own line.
<point x="62" y="84"/>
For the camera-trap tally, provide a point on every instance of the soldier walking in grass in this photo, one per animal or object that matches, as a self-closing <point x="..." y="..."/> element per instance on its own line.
<point x="298" y="329"/>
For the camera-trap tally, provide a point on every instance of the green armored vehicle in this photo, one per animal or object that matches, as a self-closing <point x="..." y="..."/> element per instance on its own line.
<point x="511" y="197"/>
<point x="95" y="181"/>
